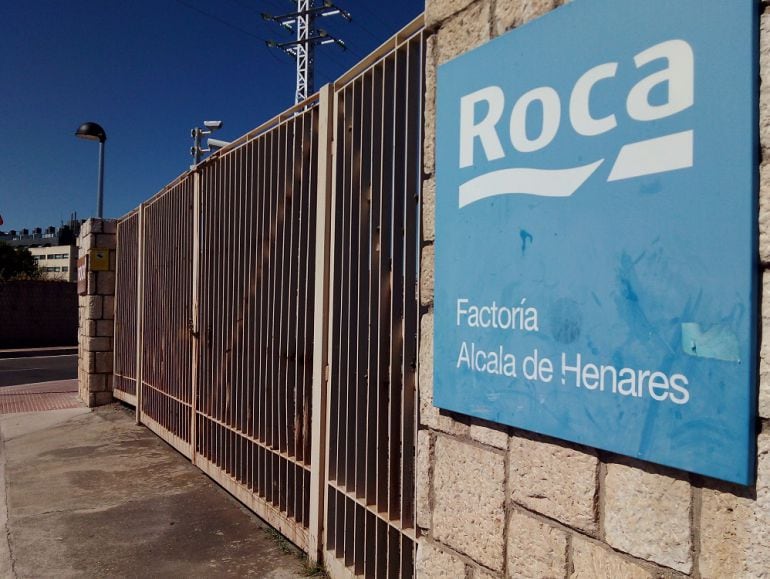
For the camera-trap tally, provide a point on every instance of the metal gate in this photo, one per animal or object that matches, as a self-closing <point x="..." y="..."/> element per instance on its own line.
<point x="165" y="397"/>
<point x="372" y="418"/>
<point x="272" y="293"/>
<point x="125" y="331"/>
<point x="254" y="403"/>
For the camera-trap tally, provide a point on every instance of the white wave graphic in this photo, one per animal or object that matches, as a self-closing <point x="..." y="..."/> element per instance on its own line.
<point x="525" y="181"/>
<point x="653" y="156"/>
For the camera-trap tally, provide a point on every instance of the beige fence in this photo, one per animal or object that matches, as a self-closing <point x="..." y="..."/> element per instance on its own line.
<point x="374" y="312"/>
<point x="273" y="294"/>
<point x="127" y="278"/>
<point x="253" y="409"/>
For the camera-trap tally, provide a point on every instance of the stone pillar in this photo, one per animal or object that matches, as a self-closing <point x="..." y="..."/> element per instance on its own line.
<point x="97" y="313"/>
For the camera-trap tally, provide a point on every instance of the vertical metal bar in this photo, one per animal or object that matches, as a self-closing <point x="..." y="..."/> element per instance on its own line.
<point x="248" y="313"/>
<point x="262" y="238"/>
<point x="412" y="186"/>
<point x="139" y="313"/>
<point x="386" y="273"/>
<point x="117" y="344"/>
<point x="397" y="326"/>
<point x="195" y="322"/>
<point x="321" y="327"/>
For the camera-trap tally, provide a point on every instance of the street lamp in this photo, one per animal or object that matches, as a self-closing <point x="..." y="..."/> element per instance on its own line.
<point x="94" y="132"/>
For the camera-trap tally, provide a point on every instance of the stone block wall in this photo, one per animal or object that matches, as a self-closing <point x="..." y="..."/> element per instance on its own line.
<point x="494" y="501"/>
<point x="96" y="317"/>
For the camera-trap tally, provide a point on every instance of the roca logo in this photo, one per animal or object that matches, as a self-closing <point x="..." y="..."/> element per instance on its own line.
<point x="661" y="154"/>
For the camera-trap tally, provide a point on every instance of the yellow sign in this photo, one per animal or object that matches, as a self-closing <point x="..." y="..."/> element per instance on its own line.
<point x="99" y="259"/>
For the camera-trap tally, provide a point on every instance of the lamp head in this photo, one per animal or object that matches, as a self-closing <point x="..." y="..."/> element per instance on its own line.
<point x="92" y="132"/>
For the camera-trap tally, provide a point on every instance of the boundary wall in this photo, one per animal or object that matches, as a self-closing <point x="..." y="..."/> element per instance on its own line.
<point x="494" y="501"/>
<point x="38" y="314"/>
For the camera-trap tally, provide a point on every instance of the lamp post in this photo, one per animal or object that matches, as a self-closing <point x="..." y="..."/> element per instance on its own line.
<point x="94" y="132"/>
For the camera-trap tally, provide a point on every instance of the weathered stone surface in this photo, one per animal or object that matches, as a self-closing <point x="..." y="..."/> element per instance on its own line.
<point x="429" y="414"/>
<point x="423" y="482"/>
<point x="429" y="209"/>
<point x="99" y="398"/>
<point x="87" y="328"/>
<point x="483" y="574"/>
<point x="103" y="362"/>
<point x="103" y="328"/>
<point x="95" y="344"/>
<point x="534" y="548"/>
<point x="764" y="137"/>
<point x="647" y="514"/>
<point x="590" y="560"/>
<point x="510" y="13"/>
<point x="469" y="499"/>
<point x="764" y="207"/>
<point x="735" y="530"/>
<point x="764" y="74"/>
<point x="489" y="434"/>
<point x="105" y="283"/>
<point x="427" y="275"/>
<point x="97" y="382"/>
<point x="109" y="307"/>
<point x="432" y="562"/>
<point x="105" y="241"/>
<point x="88" y="361"/>
<point x="429" y="108"/>
<point x="438" y="10"/>
<point x="554" y="479"/>
<point x="110" y="226"/>
<point x="85" y="242"/>
<point x="94" y="307"/>
<point x="463" y="32"/>
<point x="764" y="351"/>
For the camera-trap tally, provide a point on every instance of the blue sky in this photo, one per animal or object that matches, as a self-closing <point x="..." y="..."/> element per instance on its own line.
<point x="147" y="71"/>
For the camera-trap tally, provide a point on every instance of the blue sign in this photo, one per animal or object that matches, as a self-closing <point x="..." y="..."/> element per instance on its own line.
<point x="596" y="231"/>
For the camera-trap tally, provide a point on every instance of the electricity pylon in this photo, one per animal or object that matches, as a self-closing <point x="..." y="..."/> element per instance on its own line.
<point x="303" y="48"/>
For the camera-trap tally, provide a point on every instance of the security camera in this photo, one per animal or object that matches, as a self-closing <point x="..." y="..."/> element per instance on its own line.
<point x="213" y="125"/>
<point x="216" y="144"/>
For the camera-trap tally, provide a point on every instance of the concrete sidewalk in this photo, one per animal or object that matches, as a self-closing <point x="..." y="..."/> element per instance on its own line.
<point x="90" y="494"/>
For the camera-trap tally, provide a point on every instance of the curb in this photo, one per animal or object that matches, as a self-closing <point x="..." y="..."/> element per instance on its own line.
<point x="32" y="352"/>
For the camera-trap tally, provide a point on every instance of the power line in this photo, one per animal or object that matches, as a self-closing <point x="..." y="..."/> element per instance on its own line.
<point x="226" y="23"/>
<point x="366" y="29"/>
<point x="377" y="16"/>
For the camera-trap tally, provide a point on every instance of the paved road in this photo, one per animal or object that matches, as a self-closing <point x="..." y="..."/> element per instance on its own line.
<point x="39" y="369"/>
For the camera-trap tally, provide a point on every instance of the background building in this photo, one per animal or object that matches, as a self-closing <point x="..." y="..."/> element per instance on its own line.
<point x="57" y="261"/>
<point x="54" y="249"/>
